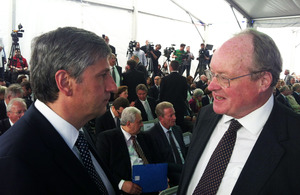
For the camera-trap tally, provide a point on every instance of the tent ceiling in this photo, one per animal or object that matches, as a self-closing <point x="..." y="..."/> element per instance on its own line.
<point x="269" y="10"/>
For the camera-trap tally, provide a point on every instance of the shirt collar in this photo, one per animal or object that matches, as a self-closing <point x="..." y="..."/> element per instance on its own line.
<point x="113" y="115"/>
<point x="126" y="134"/>
<point x="67" y="131"/>
<point x="250" y="122"/>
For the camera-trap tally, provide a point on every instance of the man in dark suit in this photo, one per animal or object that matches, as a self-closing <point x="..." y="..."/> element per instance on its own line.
<point x="13" y="91"/>
<point x="296" y="92"/>
<point x="131" y="78"/>
<point x="145" y="104"/>
<point x="173" y="88"/>
<point x="160" y="141"/>
<point x="202" y="83"/>
<point x="284" y="91"/>
<point x="27" y="93"/>
<point x="111" y="118"/>
<point x="268" y="134"/>
<point x="115" y="147"/>
<point x="45" y="152"/>
<point x="155" y="89"/>
<point x="15" y="110"/>
<point x="116" y="72"/>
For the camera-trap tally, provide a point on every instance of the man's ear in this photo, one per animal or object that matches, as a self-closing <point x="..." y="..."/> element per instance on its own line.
<point x="265" y="81"/>
<point x="64" y="82"/>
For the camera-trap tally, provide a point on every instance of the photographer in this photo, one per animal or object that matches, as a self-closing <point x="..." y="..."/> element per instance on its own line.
<point x="154" y="55"/>
<point x="18" y="65"/>
<point x="178" y="56"/>
<point x="138" y="52"/>
<point x="187" y="60"/>
<point x="203" y="60"/>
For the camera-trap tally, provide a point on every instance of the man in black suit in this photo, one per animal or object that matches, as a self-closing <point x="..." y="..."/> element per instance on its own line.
<point x="43" y="152"/>
<point x="13" y="91"/>
<point x="111" y="118"/>
<point x="284" y="91"/>
<point x="116" y="72"/>
<point x="296" y="92"/>
<point x="266" y="152"/>
<point x="159" y="139"/>
<point x="145" y="104"/>
<point x="15" y="110"/>
<point x="173" y="88"/>
<point x="131" y="78"/>
<point x="27" y="92"/>
<point x="155" y="89"/>
<point x="115" y="147"/>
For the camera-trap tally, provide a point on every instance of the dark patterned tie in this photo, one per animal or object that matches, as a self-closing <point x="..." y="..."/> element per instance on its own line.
<point x="139" y="150"/>
<point x="215" y="169"/>
<point x="83" y="148"/>
<point x="174" y="148"/>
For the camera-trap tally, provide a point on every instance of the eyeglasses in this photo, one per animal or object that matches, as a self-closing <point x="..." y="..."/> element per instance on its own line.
<point x="225" y="82"/>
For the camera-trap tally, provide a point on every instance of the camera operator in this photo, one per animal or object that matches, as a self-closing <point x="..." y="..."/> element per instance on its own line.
<point x="187" y="60"/>
<point x="203" y="60"/>
<point x="154" y="55"/>
<point x="139" y="53"/>
<point x="178" y="56"/>
<point x="18" y="65"/>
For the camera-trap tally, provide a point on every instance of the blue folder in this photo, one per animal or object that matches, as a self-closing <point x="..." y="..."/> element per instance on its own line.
<point x="151" y="177"/>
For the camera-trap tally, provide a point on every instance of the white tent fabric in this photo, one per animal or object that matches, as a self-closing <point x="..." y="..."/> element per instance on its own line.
<point x="159" y="21"/>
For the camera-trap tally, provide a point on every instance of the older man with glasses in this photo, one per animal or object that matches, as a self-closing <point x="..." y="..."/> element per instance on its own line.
<point x="260" y="151"/>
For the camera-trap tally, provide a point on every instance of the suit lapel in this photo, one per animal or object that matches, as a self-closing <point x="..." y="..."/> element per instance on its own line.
<point x="265" y="155"/>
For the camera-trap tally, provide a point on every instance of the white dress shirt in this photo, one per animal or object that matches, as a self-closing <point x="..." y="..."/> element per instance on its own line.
<point x="252" y="125"/>
<point x="70" y="134"/>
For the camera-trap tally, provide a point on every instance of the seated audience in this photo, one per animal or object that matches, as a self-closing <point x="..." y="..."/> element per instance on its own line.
<point x="27" y="93"/>
<point x="296" y="92"/>
<point x="207" y="98"/>
<point x="111" y="118"/>
<point x="15" y="110"/>
<point x="145" y="104"/>
<point x="117" y="149"/>
<point x="196" y="101"/>
<point x="282" y="97"/>
<point x="166" y="141"/>
<point x="13" y="91"/>
<point x="155" y="89"/>
<point x="123" y="92"/>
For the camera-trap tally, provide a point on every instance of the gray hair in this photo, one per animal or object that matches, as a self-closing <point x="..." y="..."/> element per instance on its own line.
<point x="198" y="92"/>
<point x="12" y="101"/>
<point x="266" y="55"/>
<point x="129" y="114"/>
<point x="159" y="109"/>
<point x="14" y="90"/>
<point x="69" y="48"/>
<point x="284" y="88"/>
<point x="296" y="86"/>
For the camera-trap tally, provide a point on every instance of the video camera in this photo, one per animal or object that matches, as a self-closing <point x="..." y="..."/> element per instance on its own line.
<point x="168" y="51"/>
<point x="17" y="33"/>
<point x="131" y="46"/>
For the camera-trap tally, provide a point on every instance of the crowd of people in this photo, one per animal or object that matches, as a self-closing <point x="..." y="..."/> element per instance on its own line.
<point x="76" y="127"/>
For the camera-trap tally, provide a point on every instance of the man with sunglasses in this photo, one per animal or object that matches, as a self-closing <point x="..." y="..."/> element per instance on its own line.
<point x="260" y="151"/>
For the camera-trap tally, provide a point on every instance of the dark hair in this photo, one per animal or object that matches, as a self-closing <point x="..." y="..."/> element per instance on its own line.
<point x="121" y="89"/>
<point x="70" y="49"/>
<point x="132" y="64"/>
<point x="26" y="84"/>
<point x="120" y="102"/>
<point x="174" y="64"/>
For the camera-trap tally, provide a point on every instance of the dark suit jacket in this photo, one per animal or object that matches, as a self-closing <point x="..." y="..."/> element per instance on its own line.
<point x="205" y="100"/>
<point x="297" y="97"/>
<point x="104" y="122"/>
<point x="112" y="149"/>
<point x="173" y="88"/>
<point x="282" y="100"/>
<point x="131" y="79"/>
<point x="2" y="110"/>
<point x="273" y="166"/>
<point x="4" y="125"/>
<point x="154" y="92"/>
<point x="119" y="69"/>
<point x="34" y="159"/>
<point x="163" y="151"/>
<point x="138" y="104"/>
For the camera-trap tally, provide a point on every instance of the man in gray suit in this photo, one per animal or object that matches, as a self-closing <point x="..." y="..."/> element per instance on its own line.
<point x="265" y="154"/>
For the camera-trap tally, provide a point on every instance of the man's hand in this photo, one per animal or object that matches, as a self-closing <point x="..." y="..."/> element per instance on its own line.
<point x="131" y="188"/>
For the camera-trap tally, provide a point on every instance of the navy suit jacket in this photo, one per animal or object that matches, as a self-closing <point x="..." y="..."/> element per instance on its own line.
<point x="104" y="122"/>
<point x="34" y="159"/>
<point x="139" y="105"/>
<point x="4" y="125"/>
<point x="273" y="166"/>
<point x="163" y="152"/>
<point x="112" y="149"/>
